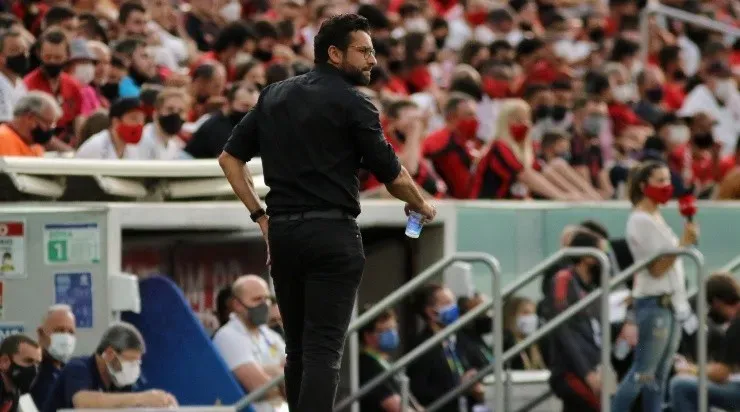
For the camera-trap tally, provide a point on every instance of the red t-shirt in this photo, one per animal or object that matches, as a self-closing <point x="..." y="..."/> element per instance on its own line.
<point x="673" y="95"/>
<point x="419" y="78"/>
<point x="424" y="177"/>
<point x="69" y="94"/>
<point x="622" y="116"/>
<point x="496" y="174"/>
<point x="451" y="159"/>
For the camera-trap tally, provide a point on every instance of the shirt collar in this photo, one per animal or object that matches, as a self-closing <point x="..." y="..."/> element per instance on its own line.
<point x="331" y="70"/>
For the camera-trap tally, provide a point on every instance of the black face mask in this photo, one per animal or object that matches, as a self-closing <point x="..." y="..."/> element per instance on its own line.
<point x="258" y="315"/>
<point x="41" y="136"/>
<point x="263" y="56"/>
<point x="109" y="91"/>
<point x="52" y="70"/>
<point x="395" y="66"/>
<point x="17" y="64"/>
<point x="679" y="75"/>
<point x="541" y="112"/>
<point x="594" y="272"/>
<point x="483" y="326"/>
<point x="171" y="124"/>
<point x="559" y="112"/>
<point x="236" y="117"/>
<point x="597" y="35"/>
<point x="23" y="377"/>
<point x="654" y="95"/>
<point x="703" y="140"/>
<point x="440" y="41"/>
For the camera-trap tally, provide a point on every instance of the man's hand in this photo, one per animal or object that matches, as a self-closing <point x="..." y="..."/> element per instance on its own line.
<point x="593" y="379"/>
<point x="264" y="227"/>
<point x="469" y="375"/>
<point x="426" y="210"/>
<point x="156" y="398"/>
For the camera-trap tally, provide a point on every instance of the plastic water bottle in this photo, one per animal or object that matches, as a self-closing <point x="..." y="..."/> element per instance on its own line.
<point x="414" y="225"/>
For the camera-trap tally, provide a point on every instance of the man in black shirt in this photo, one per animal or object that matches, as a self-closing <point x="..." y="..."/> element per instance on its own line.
<point x="209" y="140"/>
<point x="724" y="373"/>
<point x="20" y="357"/>
<point x="313" y="133"/>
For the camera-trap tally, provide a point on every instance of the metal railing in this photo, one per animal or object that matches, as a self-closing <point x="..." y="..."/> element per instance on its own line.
<point x="393" y="299"/>
<point x="411" y="286"/>
<point x="518" y="284"/>
<point x="730" y="267"/>
<point x="589" y="299"/>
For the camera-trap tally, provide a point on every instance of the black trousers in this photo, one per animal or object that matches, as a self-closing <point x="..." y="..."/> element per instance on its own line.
<point x="316" y="269"/>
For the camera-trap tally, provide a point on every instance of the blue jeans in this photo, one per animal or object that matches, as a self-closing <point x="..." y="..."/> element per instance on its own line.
<point x="658" y="337"/>
<point x="685" y="398"/>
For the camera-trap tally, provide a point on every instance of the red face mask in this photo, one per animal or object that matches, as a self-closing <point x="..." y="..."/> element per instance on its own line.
<point x="476" y="18"/>
<point x="518" y="131"/>
<point x="659" y="194"/>
<point x="467" y="127"/>
<point x="495" y="88"/>
<point x="129" y="133"/>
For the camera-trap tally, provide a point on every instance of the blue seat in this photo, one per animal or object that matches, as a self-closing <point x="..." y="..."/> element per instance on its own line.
<point x="180" y="358"/>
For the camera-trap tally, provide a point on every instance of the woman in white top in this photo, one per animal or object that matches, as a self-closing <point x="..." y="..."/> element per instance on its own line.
<point x="659" y="291"/>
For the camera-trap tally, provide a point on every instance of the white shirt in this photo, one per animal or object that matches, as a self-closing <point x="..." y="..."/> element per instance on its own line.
<point x="239" y="346"/>
<point x="153" y="147"/>
<point x="10" y="93"/>
<point x="100" y="146"/>
<point x="701" y="99"/>
<point x="647" y="235"/>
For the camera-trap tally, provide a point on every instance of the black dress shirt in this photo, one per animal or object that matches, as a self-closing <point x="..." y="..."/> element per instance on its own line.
<point x="314" y="132"/>
<point x="209" y="140"/>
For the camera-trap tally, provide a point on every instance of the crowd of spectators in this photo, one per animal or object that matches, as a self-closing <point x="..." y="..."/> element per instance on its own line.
<point x="482" y="99"/>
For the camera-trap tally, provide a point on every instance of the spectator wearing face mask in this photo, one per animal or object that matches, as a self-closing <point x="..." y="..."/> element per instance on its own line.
<point x="106" y="379"/>
<point x="538" y="65"/>
<point x="209" y="139"/>
<point x="655" y="149"/>
<point x="20" y="357"/>
<point x="719" y="98"/>
<point x="57" y="339"/>
<point x="575" y="371"/>
<point x="670" y="62"/>
<point x="509" y="169"/>
<point x="619" y="93"/>
<point x="206" y="90"/>
<point x="444" y="367"/>
<point x="521" y="321"/>
<point x="160" y="139"/>
<point x="54" y="52"/>
<point x="420" y="51"/>
<point x="698" y="161"/>
<point x="81" y="65"/>
<point x="650" y="88"/>
<point x="252" y="351"/>
<point x="590" y="120"/>
<point x="450" y="149"/>
<point x="229" y="42"/>
<point x="120" y="139"/>
<point x="379" y="340"/>
<point x="34" y="121"/>
<point x="723" y="299"/>
<point x="13" y="66"/>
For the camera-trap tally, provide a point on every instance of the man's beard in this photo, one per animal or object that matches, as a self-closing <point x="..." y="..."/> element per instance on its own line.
<point x="356" y="76"/>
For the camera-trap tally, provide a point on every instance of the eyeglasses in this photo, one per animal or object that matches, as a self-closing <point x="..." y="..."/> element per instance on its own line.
<point x="366" y="51"/>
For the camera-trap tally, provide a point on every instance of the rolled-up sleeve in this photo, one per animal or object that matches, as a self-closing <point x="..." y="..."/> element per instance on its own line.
<point x="244" y="142"/>
<point x="377" y="154"/>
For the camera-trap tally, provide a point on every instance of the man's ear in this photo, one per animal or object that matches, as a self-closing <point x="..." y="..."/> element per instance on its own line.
<point x="335" y="55"/>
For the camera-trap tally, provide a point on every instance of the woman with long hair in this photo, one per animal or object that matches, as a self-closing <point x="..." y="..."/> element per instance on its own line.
<point x="659" y="291"/>
<point x="520" y="321"/>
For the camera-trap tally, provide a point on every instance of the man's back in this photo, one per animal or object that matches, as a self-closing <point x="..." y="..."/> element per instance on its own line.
<point x="312" y="133"/>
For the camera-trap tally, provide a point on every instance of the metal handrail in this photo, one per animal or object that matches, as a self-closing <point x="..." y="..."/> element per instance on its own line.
<point x="426" y="346"/>
<point x="415" y="283"/>
<point x="522" y="281"/>
<point x="564" y="316"/>
<point x="395" y="297"/>
<point x="730" y="267"/>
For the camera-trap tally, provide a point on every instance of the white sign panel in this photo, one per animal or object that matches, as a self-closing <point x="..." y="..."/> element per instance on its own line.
<point x="12" y="249"/>
<point x="72" y="243"/>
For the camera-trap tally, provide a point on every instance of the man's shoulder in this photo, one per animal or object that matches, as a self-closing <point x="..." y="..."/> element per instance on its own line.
<point x="79" y="364"/>
<point x="227" y="333"/>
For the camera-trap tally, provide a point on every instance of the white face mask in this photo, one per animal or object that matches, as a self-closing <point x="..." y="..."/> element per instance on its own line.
<point x="624" y="93"/>
<point x="62" y="346"/>
<point x="679" y="134"/>
<point x="232" y="11"/>
<point x="84" y="73"/>
<point x="418" y="24"/>
<point x="723" y="88"/>
<point x="527" y="324"/>
<point x="128" y="375"/>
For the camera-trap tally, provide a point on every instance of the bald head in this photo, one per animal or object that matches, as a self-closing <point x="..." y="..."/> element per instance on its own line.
<point x="251" y="290"/>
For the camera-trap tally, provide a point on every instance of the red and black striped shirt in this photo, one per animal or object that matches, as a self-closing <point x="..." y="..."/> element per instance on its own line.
<point x="496" y="174"/>
<point x="452" y="160"/>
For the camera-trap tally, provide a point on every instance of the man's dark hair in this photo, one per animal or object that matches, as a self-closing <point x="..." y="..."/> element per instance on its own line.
<point x="374" y="16"/>
<point x="668" y="54"/>
<point x="454" y="101"/>
<point x="12" y="344"/>
<point x="121" y="337"/>
<point x="584" y="238"/>
<point x="624" y="48"/>
<point x="127" y="47"/>
<point x="722" y="287"/>
<point x="120" y="107"/>
<point x="205" y="71"/>
<point x="55" y="37"/>
<point x="265" y="30"/>
<point x="285" y="29"/>
<point x="91" y="25"/>
<point x="6" y="35"/>
<point x="529" y="46"/>
<point x="58" y="14"/>
<point x="370" y="327"/>
<point x="278" y="72"/>
<point x="425" y="297"/>
<point x="439" y="23"/>
<point x="128" y="8"/>
<point x="595" y="227"/>
<point x="467" y="85"/>
<point x="532" y="89"/>
<point x="233" y="35"/>
<point x="499" y="45"/>
<point x="596" y="83"/>
<point x="337" y="31"/>
<point x="225" y="294"/>
<point x="469" y="50"/>
<point x="551" y="137"/>
<point x="393" y="110"/>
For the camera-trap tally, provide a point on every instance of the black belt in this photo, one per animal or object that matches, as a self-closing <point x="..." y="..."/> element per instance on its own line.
<point x="313" y="214"/>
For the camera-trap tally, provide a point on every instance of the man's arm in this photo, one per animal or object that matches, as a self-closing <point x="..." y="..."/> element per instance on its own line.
<point x="93" y="399"/>
<point x="404" y="188"/>
<point x="252" y="376"/>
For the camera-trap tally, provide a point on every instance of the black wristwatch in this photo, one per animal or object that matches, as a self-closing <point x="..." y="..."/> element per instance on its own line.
<point x="257" y="214"/>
